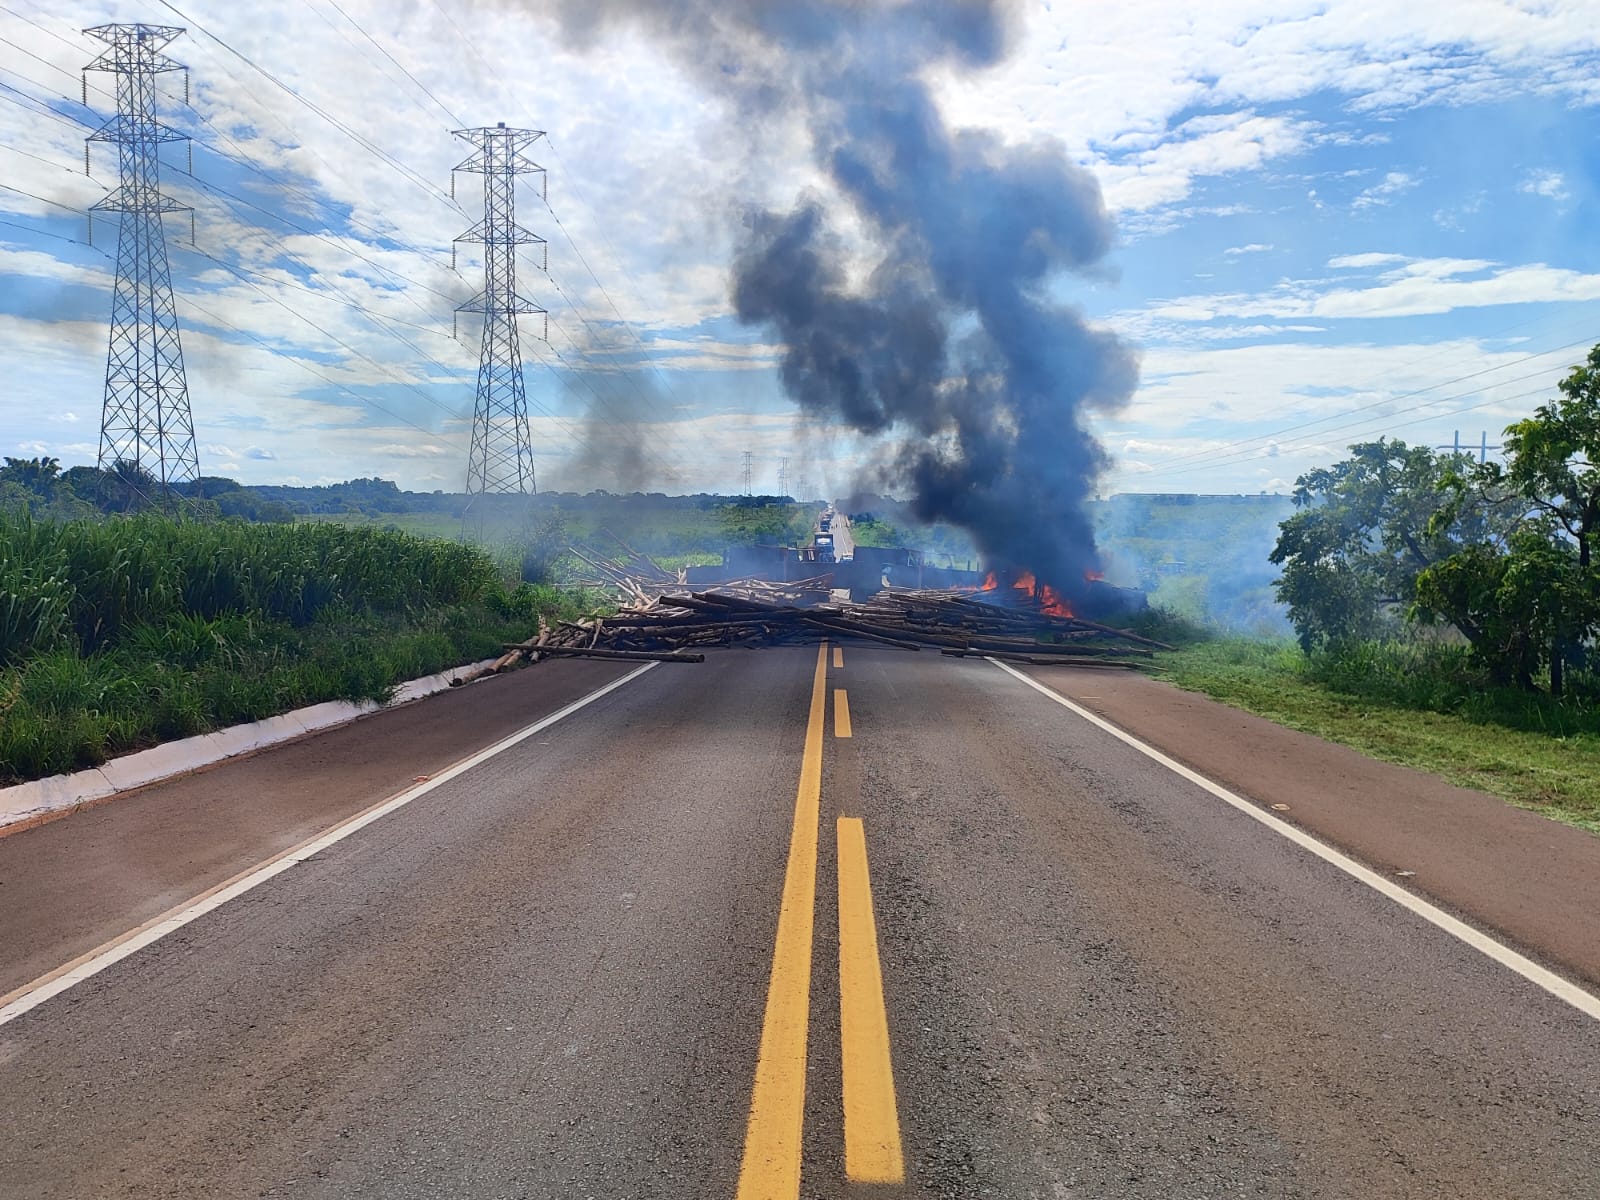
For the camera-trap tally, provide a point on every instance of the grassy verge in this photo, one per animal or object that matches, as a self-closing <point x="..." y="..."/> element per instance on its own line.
<point x="119" y="635"/>
<point x="1531" y="753"/>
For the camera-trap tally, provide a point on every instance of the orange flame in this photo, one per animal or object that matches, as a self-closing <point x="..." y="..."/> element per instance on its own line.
<point x="1051" y="603"/>
<point x="990" y="584"/>
<point x="1094" y="576"/>
<point x="1025" y="583"/>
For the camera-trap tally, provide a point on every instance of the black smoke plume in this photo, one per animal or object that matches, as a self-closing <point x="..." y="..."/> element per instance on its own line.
<point x="952" y="348"/>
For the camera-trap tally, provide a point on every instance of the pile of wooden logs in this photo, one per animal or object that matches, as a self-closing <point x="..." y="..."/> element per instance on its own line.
<point x="674" y="627"/>
<point x="636" y="576"/>
<point x="969" y="624"/>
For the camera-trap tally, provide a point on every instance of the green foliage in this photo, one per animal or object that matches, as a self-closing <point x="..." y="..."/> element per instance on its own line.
<point x="41" y="476"/>
<point x="540" y="547"/>
<point x="1514" y="603"/>
<point x="1530" y="602"/>
<point x="1365" y="529"/>
<point x="107" y="577"/>
<point x="36" y="486"/>
<point x="754" y="521"/>
<point x="1167" y="625"/>
<point x="115" y="634"/>
<point x="867" y="530"/>
<point x="1553" y="458"/>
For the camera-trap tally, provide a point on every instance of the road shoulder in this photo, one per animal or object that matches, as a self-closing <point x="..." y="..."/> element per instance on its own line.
<point x="1533" y="880"/>
<point x="72" y="884"/>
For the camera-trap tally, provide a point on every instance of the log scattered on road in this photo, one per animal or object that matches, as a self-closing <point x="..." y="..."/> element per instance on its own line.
<point x="665" y="621"/>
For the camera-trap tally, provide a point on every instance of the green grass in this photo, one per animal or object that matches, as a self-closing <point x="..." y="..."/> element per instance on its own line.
<point x="117" y="635"/>
<point x="1529" y="750"/>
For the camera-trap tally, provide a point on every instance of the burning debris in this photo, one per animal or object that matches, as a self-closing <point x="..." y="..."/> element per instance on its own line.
<point x="915" y="286"/>
<point x="752" y="613"/>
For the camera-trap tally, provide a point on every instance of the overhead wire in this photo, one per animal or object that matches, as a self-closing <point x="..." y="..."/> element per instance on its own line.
<point x="631" y="421"/>
<point x="354" y="135"/>
<point x="573" y="373"/>
<point x="1195" y="470"/>
<point x="269" y="178"/>
<point x="426" y="91"/>
<point x="1387" y="400"/>
<point x="239" y="271"/>
<point x="494" y="73"/>
<point x="358" y="138"/>
<point x="43" y="233"/>
<point x="239" y="158"/>
<point x="1238" y="457"/>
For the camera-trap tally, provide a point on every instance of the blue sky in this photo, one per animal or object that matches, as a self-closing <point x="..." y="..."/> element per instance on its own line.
<point x="1336" y="220"/>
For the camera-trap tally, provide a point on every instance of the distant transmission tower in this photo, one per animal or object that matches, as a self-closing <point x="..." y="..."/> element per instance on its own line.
<point x="783" y="477"/>
<point x="745" y="473"/>
<point x="501" y="459"/>
<point x="145" y="421"/>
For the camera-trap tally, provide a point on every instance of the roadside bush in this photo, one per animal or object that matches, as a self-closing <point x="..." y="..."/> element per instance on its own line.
<point x="1433" y="676"/>
<point x="93" y="581"/>
<point x="119" y="634"/>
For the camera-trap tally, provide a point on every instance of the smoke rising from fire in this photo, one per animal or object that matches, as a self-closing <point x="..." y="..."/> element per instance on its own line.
<point x="950" y="347"/>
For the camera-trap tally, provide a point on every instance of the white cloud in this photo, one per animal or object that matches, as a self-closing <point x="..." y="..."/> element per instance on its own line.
<point x="1347" y="262"/>
<point x="1550" y="184"/>
<point x="1419" y="287"/>
<point x="1394" y="183"/>
<point x="1220" y="144"/>
<point x="1252" y="248"/>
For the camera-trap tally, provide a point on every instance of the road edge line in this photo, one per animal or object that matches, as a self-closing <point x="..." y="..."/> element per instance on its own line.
<point x="32" y="994"/>
<point x="1540" y="976"/>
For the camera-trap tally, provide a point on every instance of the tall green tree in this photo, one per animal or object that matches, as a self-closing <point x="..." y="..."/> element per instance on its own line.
<point x="1366" y="528"/>
<point x="1534" y="602"/>
<point x="41" y="476"/>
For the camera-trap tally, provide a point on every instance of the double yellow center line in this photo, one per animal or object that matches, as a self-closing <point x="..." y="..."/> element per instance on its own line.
<point x="773" y="1136"/>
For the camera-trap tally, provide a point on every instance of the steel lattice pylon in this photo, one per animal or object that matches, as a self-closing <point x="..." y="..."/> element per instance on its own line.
<point x="501" y="459"/>
<point x="145" y="421"/>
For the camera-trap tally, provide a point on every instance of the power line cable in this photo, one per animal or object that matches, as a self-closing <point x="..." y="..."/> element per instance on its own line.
<point x="359" y="138"/>
<point x="1242" y="443"/>
<point x="459" y="123"/>
<point x="239" y="158"/>
<point x="574" y="374"/>
<point x="1237" y="459"/>
<point x="578" y="253"/>
<point x="282" y="219"/>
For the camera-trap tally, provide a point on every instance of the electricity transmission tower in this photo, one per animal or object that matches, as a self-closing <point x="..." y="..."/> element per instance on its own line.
<point x="745" y="473"/>
<point x="501" y="458"/>
<point x="783" y="476"/>
<point x="145" y="421"/>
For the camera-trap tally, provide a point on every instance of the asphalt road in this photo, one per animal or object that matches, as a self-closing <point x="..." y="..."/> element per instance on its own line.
<point x="609" y="962"/>
<point x="844" y="542"/>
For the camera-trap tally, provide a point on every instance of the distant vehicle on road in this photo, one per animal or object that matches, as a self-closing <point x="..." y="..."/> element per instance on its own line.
<point x="824" y="545"/>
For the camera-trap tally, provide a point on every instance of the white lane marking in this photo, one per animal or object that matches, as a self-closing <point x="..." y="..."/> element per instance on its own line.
<point x="32" y="995"/>
<point x="1562" y="989"/>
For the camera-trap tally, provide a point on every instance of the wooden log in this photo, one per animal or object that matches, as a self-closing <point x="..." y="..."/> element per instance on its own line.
<point x="857" y="629"/>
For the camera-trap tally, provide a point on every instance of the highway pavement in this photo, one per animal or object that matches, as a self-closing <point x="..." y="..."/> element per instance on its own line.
<point x="822" y="922"/>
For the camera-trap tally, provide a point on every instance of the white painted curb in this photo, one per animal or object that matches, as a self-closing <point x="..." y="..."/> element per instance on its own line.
<point x="27" y="801"/>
